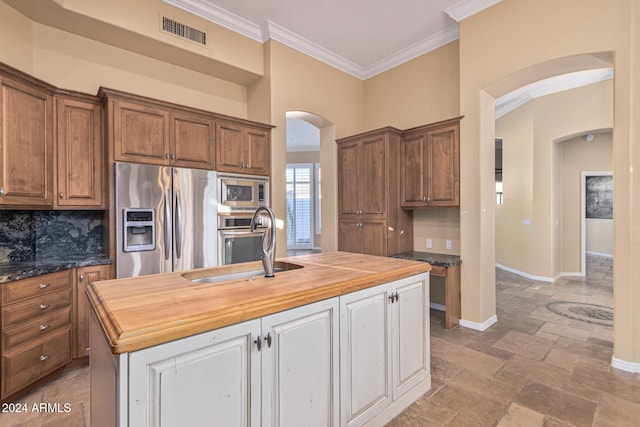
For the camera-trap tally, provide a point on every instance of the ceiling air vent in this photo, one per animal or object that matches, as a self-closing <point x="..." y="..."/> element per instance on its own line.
<point x="186" y="32"/>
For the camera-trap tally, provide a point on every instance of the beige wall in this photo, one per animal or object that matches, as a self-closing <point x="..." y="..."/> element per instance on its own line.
<point x="530" y="152"/>
<point x="301" y="83"/>
<point x="515" y="42"/>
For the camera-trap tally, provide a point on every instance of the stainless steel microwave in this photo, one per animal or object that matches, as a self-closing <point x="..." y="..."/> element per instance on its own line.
<point x="242" y="192"/>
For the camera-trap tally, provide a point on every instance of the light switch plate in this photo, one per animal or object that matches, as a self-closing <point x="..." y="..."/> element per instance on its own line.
<point x="448" y="244"/>
<point x="429" y="244"/>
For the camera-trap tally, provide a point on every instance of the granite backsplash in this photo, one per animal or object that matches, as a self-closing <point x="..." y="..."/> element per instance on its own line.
<point x="37" y="235"/>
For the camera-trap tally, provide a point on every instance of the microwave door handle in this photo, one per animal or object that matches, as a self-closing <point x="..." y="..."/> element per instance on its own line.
<point x="167" y="231"/>
<point x="178" y="225"/>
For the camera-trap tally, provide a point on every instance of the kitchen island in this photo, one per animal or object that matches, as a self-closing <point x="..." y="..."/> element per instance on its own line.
<point x="334" y="339"/>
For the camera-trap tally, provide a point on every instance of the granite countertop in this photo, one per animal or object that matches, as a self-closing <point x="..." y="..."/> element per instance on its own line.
<point x="443" y="260"/>
<point x="25" y="269"/>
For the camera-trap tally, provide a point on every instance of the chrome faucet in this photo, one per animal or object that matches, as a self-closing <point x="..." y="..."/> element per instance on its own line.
<point x="269" y="254"/>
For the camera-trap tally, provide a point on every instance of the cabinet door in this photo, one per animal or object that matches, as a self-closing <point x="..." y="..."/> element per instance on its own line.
<point x="349" y="236"/>
<point x="410" y="332"/>
<point x="83" y="277"/>
<point x="349" y="179"/>
<point x="372" y="178"/>
<point x="26" y="145"/>
<point x="373" y="235"/>
<point x="258" y="151"/>
<point x="80" y="153"/>
<point x="193" y="141"/>
<point x="212" y="377"/>
<point x="230" y="147"/>
<point x="412" y="173"/>
<point x="140" y="133"/>
<point x="300" y="368"/>
<point x="365" y="362"/>
<point x="444" y="167"/>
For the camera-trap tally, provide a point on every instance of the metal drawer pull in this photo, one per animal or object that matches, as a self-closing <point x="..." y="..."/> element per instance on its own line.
<point x="44" y="327"/>
<point x="44" y="306"/>
<point x="44" y="285"/>
<point x="45" y="357"/>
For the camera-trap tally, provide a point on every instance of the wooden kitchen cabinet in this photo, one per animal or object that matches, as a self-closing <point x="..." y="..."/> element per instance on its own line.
<point x="370" y="218"/>
<point x="384" y="341"/>
<point x="36" y="329"/>
<point x="143" y="130"/>
<point x="80" y="152"/>
<point x="26" y="140"/>
<point x="430" y="166"/>
<point x="84" y="276"/>
<point x="364" y="237"/>
<point x="243" y="148"/>
<point x="280" y="370"/>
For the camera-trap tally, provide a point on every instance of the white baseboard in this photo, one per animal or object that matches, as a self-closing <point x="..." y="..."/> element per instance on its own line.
<point x="599" y="254"/>
<point x="479" y="326"/>
<point x="436" y="306"/>
<point x="527" y="275"/>
<point x="623" y="365"/>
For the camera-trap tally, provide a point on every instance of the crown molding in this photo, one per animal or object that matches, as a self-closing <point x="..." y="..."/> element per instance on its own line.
<point x="466" y="8"/>
<point x="270" y="30"/>
<point x="448" y="35"/>
<point x="294" y="41"/>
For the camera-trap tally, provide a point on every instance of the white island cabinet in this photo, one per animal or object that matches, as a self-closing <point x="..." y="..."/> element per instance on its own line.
<point x="280" y="370"/>
<point x="384" y="343"/>
<point x="351" y="352"/>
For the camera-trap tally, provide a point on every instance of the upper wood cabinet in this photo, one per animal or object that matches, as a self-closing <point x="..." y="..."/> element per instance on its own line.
<point x="370" y="219"/>
<point x="80" y="152"/>
<point x="143" y="130"/>
<point x="26" y="140"/>
<point x="430" y="170"/>
<point x="243" y="148"/>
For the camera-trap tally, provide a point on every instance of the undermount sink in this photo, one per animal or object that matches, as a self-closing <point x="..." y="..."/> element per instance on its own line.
<point x="245" y="271"/>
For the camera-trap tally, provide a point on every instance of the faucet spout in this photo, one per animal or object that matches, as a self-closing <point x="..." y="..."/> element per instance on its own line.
<point x="268" y="254"/>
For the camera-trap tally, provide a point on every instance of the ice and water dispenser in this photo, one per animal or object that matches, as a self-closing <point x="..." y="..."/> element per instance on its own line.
<point x="139" y="230"/>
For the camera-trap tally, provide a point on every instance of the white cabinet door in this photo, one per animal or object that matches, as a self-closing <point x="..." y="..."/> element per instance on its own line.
<point x="365" y="354"/>
<point x="300" y="366"/>
<point x="208" y="379"/>
<point x="410" y="333"/>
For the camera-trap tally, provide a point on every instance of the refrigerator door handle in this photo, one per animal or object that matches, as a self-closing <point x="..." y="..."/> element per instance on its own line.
<point x="178" y="225"/>
<point x="167" y="226"/>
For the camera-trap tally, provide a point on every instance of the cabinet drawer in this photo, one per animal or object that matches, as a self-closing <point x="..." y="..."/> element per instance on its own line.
<point x="26" y="364"/>
<point x="47" y="303"/>
<point x="34" y="286"/>
<point x="42" y="326"/>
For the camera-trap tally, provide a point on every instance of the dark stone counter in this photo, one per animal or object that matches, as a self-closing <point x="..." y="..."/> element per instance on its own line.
<point x="25" y="269"/>
<point x="443" y="260"/>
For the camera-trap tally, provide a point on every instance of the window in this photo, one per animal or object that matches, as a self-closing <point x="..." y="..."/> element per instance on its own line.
<point x="300" y="206"/>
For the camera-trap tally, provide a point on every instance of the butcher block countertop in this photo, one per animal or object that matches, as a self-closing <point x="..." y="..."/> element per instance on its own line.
<point x="140" y="312"/>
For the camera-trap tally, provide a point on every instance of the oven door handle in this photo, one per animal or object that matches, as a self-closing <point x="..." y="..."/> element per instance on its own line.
<point x="241" y="233"/>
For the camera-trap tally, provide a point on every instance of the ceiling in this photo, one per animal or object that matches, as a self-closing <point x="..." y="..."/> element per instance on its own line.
<point x="360" y="37"/>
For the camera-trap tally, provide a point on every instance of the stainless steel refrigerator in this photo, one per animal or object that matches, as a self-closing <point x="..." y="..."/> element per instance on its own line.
<point x="166" y="219"/>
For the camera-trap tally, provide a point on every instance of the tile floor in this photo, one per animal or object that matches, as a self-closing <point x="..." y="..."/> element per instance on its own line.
<point x="534" y="367"/>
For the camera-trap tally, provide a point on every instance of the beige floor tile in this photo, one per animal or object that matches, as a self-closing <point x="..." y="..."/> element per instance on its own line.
<point x="615" y="412"/>
<point x="620" y="384"/>
<point x="525" y="345"/>
<point x="561" y="359"/>
<point x="557" y="403"/>
<point x="528" y="370"/>
<point x="519" y="416"/>
<point x="566" y="331"/>
<point x="467" y="358"/>
<point x="470" y="404"/>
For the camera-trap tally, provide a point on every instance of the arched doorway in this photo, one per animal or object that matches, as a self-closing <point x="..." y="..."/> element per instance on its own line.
<point x="310" y="216"/>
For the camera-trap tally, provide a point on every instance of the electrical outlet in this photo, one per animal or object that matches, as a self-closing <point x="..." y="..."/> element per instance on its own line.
<point x="448" y="245"/>
<point x="429" y="244"/>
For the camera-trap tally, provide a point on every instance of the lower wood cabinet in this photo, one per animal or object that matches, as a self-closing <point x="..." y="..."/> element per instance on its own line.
<point x="363" y="236"/>
<point x="359" y="358"/>
<point x="36" y="329"/>
<point x="84" y="276"/>
<point x="385" y="350"/>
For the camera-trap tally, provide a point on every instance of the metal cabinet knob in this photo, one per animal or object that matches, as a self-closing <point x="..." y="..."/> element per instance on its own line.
<point x="45" y="357"/>
<point x="44" y="285"/>
<point x="1" y="191"/>
<point x="81" y="278"/>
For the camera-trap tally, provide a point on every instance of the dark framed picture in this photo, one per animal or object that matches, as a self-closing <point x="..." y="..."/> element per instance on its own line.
<point x="599" y="196"/>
